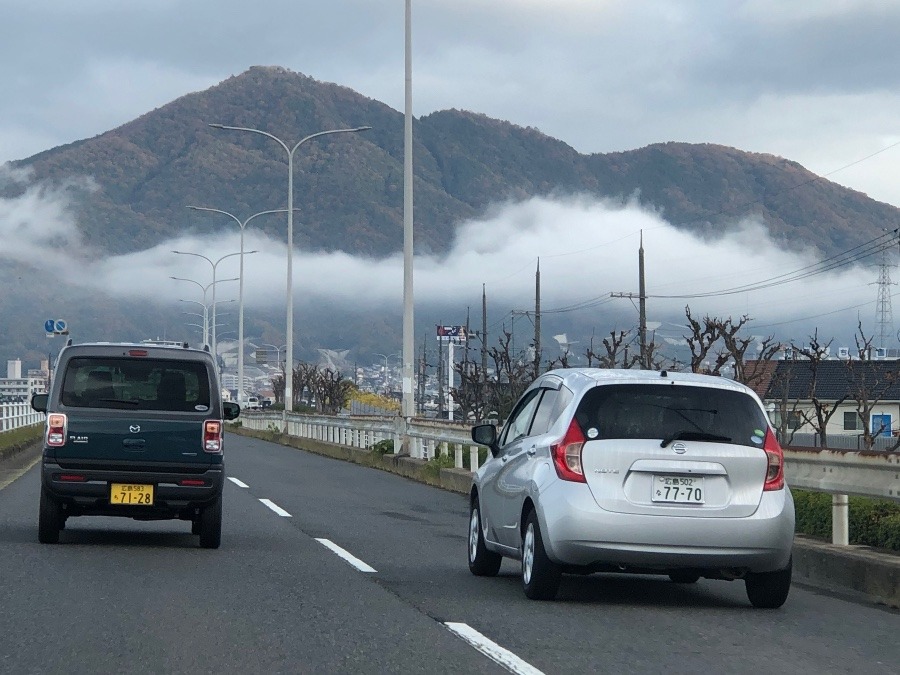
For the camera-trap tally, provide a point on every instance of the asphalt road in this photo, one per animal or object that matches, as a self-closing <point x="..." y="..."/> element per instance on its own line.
<point x="346" y="569"/>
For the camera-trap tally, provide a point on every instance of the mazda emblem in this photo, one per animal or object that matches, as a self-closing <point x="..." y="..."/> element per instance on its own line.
<point x="134" y="428"/>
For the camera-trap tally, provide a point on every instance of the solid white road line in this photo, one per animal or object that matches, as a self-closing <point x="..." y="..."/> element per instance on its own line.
<point x="277" y="509"/>
<point x="492" y="650"/>
<point x="353" y="560"/>
<point x="237" y="482"/>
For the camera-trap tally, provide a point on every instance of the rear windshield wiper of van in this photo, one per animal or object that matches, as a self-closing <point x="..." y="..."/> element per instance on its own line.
<point x="689" y="435"/>
<point x="131" y="402"/>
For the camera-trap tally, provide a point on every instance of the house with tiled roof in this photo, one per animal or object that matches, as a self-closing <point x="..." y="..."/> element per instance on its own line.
<point x="865" y="393"/>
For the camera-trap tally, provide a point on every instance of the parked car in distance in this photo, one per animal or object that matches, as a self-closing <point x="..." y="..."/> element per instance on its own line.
<point x="634" y="471"/>
<point x="136" y="431"/>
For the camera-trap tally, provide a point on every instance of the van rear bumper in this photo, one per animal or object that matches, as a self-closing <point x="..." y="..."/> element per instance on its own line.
<point x="86" y="491"/>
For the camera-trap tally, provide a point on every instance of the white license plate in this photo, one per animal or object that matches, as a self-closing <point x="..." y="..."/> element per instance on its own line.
<point x="677" y="489"/>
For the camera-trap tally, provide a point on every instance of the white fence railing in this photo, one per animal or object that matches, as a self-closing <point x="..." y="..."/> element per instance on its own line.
<point x="15" y="415"/>
<point x="837" y="472"/>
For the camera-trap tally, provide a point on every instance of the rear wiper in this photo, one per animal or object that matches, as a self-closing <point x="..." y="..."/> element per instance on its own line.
<point x="688" y="435"/>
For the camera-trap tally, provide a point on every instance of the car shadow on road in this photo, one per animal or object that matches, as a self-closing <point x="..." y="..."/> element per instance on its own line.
<point x="637" y="589"/>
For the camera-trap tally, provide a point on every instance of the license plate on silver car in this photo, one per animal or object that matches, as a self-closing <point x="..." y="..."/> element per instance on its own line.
<point x="677" y="489"/>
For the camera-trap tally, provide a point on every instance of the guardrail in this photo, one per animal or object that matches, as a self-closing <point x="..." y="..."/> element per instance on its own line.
<point x="16" y="415"/>
<point x="837" y="472"/>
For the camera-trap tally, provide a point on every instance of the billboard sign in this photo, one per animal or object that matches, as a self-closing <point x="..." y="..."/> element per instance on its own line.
<point x="451" y="333"/>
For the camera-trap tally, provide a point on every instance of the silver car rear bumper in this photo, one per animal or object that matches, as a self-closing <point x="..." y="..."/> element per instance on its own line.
<point x="577" y="532"/>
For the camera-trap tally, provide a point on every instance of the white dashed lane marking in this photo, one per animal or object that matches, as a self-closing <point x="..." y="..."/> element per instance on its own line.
<point x="277" y="509"/>
<point x="492" y="650"/>
<point x="240" y="484"/>
<point x="353" y="560"/>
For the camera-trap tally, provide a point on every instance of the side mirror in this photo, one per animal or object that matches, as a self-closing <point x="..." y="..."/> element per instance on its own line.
<point x="39" y="402"/>
<point x="486" y="434"/>
<point x="230" y="410"/>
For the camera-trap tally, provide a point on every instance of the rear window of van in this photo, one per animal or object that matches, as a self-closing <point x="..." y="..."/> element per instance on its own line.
<point x="141" y="384"/>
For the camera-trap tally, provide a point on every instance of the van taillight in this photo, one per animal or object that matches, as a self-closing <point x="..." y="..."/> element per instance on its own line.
<point x="775" y="463"/>
<point x="567" y="454"/>
<point x="212" y="436"/>
<point x="56" y="430"/>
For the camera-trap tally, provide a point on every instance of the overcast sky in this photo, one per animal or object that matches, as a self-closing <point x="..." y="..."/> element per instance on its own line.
<point x="814" y="81"/>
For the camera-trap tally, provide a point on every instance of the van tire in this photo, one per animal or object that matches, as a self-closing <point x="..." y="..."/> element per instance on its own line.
<point x="49" y="519"/>
<point x="211" y="524"/>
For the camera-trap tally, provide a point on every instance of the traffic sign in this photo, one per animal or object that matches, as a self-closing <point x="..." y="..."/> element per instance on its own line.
<point x="55" y="327"/>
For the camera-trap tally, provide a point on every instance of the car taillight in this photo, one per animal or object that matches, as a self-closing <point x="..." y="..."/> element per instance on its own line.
<point x="212" y="436"/>
<point x="567" y="454"/>
<point x="775" y="466"/>
<point x="56" y="430"/>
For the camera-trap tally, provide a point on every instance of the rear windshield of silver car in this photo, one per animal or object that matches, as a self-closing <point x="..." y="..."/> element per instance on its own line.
<point x="669" y="412"/>
<point x="136" y="384"/>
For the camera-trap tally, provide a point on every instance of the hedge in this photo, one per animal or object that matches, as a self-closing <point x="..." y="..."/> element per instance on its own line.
<point x="873" y="522"/>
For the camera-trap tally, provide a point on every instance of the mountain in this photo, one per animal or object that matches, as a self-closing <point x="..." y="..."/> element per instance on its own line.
<point x="349" y="189"/>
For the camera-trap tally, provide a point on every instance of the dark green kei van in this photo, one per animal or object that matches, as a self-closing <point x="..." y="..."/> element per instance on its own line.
<point x="134" y="430"/>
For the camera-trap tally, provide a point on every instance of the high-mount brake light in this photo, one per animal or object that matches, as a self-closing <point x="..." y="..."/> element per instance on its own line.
<point x="775" y="463"/>
<point x="56" y="430"/>
<point x="137" y="352"/>
<point x="212" y="436"/>
<point x="567" y="454"/>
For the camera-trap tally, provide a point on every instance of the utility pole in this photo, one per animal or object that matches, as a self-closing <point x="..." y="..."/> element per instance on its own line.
<point x="484" y="335"/>
<point x="642" y="304"/>
<point x="537" y="320"/>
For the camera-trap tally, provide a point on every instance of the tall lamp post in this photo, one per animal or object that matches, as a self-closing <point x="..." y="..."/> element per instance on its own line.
<point x="214" y="265"/>
<point x="203" y="304"/>
<point x="242" y="224"/>
<point x="289" y="357"/>
<point x="278" y="351"/>
<point x="386" y="357"/>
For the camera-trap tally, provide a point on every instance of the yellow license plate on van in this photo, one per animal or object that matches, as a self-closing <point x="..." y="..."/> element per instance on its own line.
<point x="129" y="494"/>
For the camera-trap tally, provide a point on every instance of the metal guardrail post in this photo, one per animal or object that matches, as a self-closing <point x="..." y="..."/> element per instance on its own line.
<point x="840" y="520"/>
<point x="473" y="458"/>
<point x="459" y="457"/>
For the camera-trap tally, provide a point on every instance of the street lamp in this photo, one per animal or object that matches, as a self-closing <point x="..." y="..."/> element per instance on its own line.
<point x="386" y="357"/>
<point x="204" y="303"/>
<point x="289" y="357"/>
<point x="214" y="265"/>
<point x="205" y="315"/>
<point x="242" y="225"/>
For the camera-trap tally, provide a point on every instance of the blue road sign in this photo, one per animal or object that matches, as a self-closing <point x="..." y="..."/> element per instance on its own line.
<point x="48" y="325"/>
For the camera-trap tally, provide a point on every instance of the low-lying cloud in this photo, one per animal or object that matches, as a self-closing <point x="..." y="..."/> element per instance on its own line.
<point x="587" y="248"/>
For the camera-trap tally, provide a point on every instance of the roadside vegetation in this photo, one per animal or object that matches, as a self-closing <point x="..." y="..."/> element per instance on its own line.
<point x="16" y="439"/>
<point x="873" y="522"/>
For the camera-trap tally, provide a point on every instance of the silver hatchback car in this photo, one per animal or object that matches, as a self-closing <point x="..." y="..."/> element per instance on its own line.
<point x="634" y="471"/>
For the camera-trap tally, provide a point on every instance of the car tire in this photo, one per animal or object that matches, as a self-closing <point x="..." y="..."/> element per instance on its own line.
<point x="769" y="590"/>
<point x="49" y="519"/>
<point x="684" y="577"/>
<point x="482" y="562"/>
<point x="540" y="575"/>
<point x="211" y="525"/>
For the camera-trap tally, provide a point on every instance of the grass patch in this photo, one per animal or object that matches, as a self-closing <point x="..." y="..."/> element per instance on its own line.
<point x="16" y="439"/>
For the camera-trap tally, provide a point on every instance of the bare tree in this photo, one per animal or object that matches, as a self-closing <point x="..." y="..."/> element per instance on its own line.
<point x="867" y="386"/>
<point x="703" y="337"/>
<point x="822" y="410"/>
<point x="332" y="390"/>
<point x="616" y="355"/>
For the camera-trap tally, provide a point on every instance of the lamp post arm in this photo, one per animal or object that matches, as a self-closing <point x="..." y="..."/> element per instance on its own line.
<point x="323" y="133"/>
